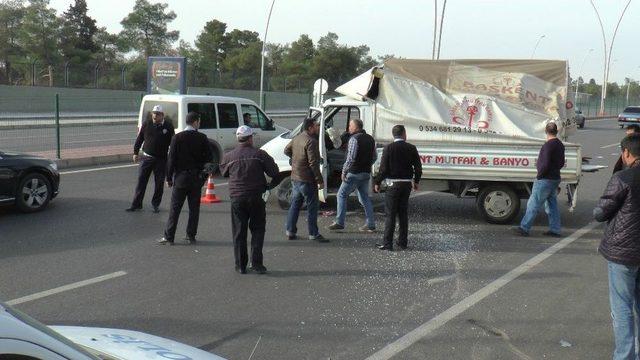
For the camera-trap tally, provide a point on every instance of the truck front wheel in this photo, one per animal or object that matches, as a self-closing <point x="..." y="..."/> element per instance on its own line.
<point x="498" y="204"/>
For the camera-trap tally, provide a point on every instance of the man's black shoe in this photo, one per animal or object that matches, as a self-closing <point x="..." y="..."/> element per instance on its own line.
<point x="552" y="234"/>
<point x="165" y="241"/>
<point x="520" y="231"/>
<point x="240" y="270"/>
<point x="156" y="209"/>
<point x="291" y="236"/>
<point x="190" y="239"/>
<point x="401" y="247"/>
<point x="383" y="247"/>
<point x="318" y="238"/>
<point x="132" y="209"/>
<point x="260" y="269"/>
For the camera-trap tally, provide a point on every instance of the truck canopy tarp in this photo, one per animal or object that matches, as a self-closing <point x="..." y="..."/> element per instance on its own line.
<point x="492" y="101"/>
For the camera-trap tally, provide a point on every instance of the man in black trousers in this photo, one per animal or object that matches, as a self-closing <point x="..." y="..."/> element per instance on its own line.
<point x="154" y="138"/>
<point x="245" y="167"/>
<point x="400" y="166"/>
<point x="188" y="154"/>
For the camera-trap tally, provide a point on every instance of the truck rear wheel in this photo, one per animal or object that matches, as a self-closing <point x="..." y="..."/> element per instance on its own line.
<point x="498" y="204"/>
<point x="284" y="192"/>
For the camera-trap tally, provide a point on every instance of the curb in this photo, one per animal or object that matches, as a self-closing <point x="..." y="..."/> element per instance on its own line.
<point x="93" y="160"/>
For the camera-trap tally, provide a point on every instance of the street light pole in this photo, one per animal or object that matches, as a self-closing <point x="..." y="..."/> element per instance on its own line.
<point x="580" y="72"/>
<point x="264" y="44"/>
<point x="536" y="47"/>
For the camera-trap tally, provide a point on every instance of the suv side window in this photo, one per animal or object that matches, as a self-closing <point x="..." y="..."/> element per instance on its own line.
<point x="207" y="113"/>
<point x="228" y="114"/>
<point x="170" y="111"/>
<point x="254" y="118"/>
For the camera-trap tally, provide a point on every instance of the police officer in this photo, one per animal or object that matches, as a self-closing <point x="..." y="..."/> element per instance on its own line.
<point x="154" y="138"/>
<point x="245" y="167"/>
<point x="188" y="154"/>
<point x="401" y="167"/>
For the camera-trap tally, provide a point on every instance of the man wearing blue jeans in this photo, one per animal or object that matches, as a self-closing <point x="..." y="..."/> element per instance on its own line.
<point x="356" y="173"/>
<point x="620" y="208"/>
<point x="544" y="191"/>
<point x="306" y="179"/>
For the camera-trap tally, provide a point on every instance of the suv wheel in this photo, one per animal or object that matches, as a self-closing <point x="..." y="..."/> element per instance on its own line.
<point x="33" y="193"/>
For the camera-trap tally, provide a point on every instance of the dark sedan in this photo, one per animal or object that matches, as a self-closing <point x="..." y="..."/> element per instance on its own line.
<point x="27" y="181"/>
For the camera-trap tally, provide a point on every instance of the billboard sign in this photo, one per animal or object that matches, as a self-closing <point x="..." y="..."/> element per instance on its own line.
<point x="166" y="75"/>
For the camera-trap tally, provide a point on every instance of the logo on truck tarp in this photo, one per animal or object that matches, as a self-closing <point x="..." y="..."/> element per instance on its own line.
<point x="472" y="113"/>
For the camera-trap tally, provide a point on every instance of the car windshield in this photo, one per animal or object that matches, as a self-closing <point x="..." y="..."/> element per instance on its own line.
<point x="291" y="134"/>
<point x="632" y="110"/>
<point x="28" y="320"/>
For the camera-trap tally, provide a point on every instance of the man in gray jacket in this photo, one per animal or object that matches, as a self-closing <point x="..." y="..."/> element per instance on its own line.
<point x="245" y="167"/>
<point x="620" y="208"/>
<point x="306" y="179"/>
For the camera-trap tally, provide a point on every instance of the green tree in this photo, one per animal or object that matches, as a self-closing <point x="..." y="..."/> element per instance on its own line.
<point x="145" y="29"/>
<point x="107" y="50"/>
<point x="39" y="35"/>
<point x="211" y="46"/>
<point x="11" y="16"/>
<point x="78" y="31"/>
<point x="337" y="63"/>
<point x="297" y="60"/>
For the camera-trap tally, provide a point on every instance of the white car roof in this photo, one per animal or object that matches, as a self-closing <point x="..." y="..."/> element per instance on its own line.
<point x="178" y="98"/>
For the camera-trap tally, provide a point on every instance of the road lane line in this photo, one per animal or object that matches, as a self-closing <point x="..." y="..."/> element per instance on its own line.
<point x="64" y="288"/>
<point x="97" y="169"/>
<point x="610" y="145"/>
<point x="443" y="318"/>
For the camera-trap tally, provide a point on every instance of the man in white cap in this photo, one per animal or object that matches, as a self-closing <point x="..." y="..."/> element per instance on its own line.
<point x="154" y="137"/>
<point x="245" y="167"/>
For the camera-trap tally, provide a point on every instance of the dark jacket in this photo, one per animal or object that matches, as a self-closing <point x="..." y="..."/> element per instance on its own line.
<point x="400" y="160"/>
<point x="620" y="207"/>
<point x="305" y="158"/>
<point x="364" y="150"/>
<point x="245" y="167"/>
<point x="550" y="160"/>
<point x="156" y="139"/>
<point x="189" y="151"/>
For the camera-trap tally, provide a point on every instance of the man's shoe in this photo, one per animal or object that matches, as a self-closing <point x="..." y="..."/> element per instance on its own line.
<point x="165" y="241"/>
<point x="383" y="247"/>
<point x="239" y="270"/>
<point x="156" y="209"/>
<point x="520" y="231"/>
<point x="133" y="208"/>
<point x="190" y="240"/>
<point x="552" y="234"/>
<point x="366" y="228"/>
<point x="336" y="226"/>
<point x="291" y="236"/>
<point x="318" y="238"/>
<point x="402" y="247"/>
<point x="260" y="269"/>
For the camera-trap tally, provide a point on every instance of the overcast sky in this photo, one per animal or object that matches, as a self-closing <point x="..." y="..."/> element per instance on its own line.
<point x="472" y="28"/>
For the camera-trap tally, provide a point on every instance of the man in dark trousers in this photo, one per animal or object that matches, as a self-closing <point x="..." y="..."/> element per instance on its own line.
<point x="306" y="179"/>
<point x="245" y="167"/>
<point x="188" y="154"/>
<point x="356" y="173"/>
<point x="545" y="187"/>
<point x="400" y="166"/>
<point x="630" y="130"/>
<point x="619" y="206"/>
<point x="154" y="138"/>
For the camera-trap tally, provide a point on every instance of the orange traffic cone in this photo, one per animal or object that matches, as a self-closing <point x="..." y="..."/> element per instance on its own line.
<point x="210" y="194"/>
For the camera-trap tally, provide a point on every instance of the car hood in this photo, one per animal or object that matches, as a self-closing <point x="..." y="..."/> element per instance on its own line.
<point x="16" y="155"/>
<point x="130" y="345"/>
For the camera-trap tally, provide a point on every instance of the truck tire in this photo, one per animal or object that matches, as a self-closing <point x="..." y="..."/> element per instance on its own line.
<point x="498" y="204"/>
<point x="283" y="193"/>
<point x="215" y="151"/>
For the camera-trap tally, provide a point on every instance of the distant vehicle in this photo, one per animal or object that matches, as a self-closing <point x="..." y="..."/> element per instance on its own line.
<point x="22" y="337"/>
<point x="630" y="115"/>
<point x="220" y="118"/>
<point x="580" y="120"/>
<point x="27" y="181"/>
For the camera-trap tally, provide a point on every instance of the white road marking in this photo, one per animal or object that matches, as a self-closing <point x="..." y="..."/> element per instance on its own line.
<point x="97" y="169"/>
<point x="64" y="288"/>
<point x="443" y="318"/>
<point x="610" y="145"/>
<point x="440" y="279"/>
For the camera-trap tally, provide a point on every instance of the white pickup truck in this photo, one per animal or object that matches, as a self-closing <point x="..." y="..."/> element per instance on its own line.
<point x="478" y="126"/>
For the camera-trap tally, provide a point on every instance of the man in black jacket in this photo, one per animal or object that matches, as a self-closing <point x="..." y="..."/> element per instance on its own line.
<point x="188" y="153"/>
<point x="245" y="167"/>
<point x="154" y="138"/>
<point x="620" y="208"/>
<point x="545" y="187"/>
<point x="401" y="167"/>
<point x="630" y="130"/>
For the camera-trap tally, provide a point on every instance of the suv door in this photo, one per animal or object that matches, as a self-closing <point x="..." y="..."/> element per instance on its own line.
<point x="7" y="180"/>
<point x="259" y="122"/>
<point x="228" y="123"/>
<point x="208" y="120"/>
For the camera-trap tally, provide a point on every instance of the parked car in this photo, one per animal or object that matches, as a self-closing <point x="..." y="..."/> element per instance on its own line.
<point x="22" y="337"/>
<point x="220" y="118"/>
<point x="580" y="120"/>
<point x="27" y="181"/>
<point x="630" y="115"/>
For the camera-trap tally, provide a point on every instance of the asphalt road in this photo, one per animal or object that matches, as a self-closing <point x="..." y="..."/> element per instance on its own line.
<point x="460" y="292"/>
